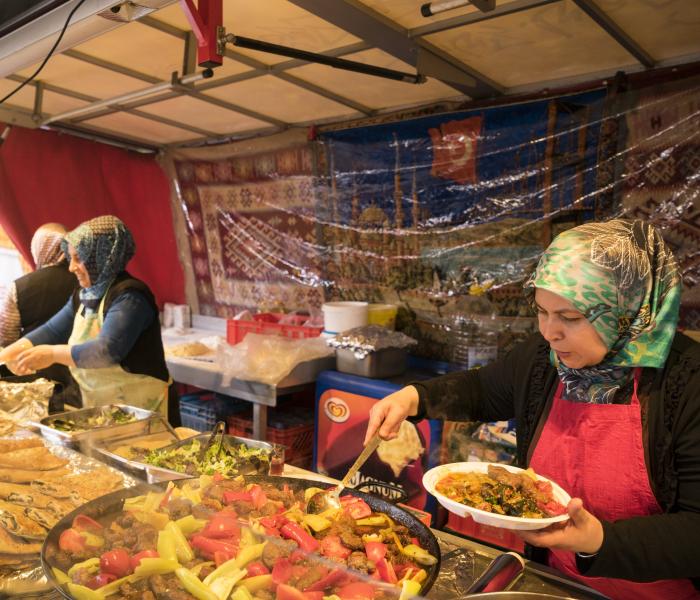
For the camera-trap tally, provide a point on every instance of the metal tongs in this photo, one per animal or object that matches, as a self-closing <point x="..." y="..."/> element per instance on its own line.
<point x="216" y="437"/>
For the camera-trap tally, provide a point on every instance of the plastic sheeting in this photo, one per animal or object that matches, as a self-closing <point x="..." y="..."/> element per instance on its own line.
<point x="444" y="215"/>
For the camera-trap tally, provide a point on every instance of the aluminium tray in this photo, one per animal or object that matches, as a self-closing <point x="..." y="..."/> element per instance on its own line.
<point x="154" y="474"/>
<point x="88" y="436"/>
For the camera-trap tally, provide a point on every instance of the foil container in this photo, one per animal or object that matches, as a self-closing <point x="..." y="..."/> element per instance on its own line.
<point x="363" y="341"/>
<point x="25" y="401"/>
<point x="30" y="581"/>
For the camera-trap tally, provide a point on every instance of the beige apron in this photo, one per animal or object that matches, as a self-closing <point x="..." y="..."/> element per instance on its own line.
<point x="113" y="385"/>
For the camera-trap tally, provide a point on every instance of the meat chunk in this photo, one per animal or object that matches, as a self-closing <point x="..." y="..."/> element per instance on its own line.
<point x="358" y="561"/>
<point x="276" y="549"/>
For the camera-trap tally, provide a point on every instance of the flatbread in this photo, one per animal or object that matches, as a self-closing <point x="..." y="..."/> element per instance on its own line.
<point x="10" y="445"/>
<point x="94" y="484"/>
<point x="14" y="519"/>
<point x="189" y="349"/>
<point x="25" y="495"/>
<point x="12" y="545"/>
<point x="38" y="458"/>
<point x="24" y="476"/>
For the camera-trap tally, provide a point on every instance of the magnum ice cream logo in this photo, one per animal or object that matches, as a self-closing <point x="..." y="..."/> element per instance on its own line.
<point x="336" y="410"/>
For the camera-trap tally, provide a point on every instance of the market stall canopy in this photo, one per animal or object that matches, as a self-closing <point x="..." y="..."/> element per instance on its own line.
<point x="127" y="71"/>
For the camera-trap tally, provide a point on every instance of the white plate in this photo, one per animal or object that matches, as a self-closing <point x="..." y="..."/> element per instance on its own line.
<point x="431" y="478"/>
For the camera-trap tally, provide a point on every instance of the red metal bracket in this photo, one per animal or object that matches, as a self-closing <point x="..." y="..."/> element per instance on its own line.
<point x="206" y="22"/>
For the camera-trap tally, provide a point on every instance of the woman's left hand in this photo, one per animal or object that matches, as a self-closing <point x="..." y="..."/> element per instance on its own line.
<point x="38" y="357"/>
<point x="581" y="533"/>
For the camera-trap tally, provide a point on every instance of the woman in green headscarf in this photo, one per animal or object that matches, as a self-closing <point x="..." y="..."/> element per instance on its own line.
<point x="607" y="402"/>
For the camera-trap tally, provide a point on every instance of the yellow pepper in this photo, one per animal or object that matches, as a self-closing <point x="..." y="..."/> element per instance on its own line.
<point x="156" y="519"/>
<point x="316" y="522"/>
<point x="113" y="588"/>
<point x="197" y="568"/>
<point x="241" y="593"/>
<point x="396" y="539"/>
<point x="155" y="566"/>
<point x="372" y="537"/>
<point x="152" y="501"/>
<point x="417" y="553"/>
<point x="194" y="586"/>
<point x="374" y="521"/>
<point x="166" y="545"/>
<point x="310" y="492"/>
<point x="189" y="524"/>
<point x="223" y="586"/>
<point x="182" y="547"/>
<point x="235" y="565"/>
<point x="91" y="564"/>
<point x="409" y="589"/>
<point x="248" y="536"/>
<point x="80" y="592"/>
<point x="60" y="576"/>
<point x="257" y="583"/>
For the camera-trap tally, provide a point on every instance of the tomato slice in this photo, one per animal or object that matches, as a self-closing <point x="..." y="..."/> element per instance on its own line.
<point x="256" y="568"/>
<point x="356" y="507"/>
<point x="136" y="558"/>
<point x="100" y="580"/>
<point x="281" y="571"/>
<point x="332" y="547"/>
<point x="117" y="562"/>
<point x="375" y="551"/>
<point x="358" y="590"/>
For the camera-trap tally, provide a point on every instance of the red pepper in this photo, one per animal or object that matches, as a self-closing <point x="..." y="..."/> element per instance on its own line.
<point x="221" y="557"/>
<point x="258" y="496"/>
<point x="287" y="592"/>
<point x="375" y="551"/>
<point x="256" y="568"/>
<point x="401" y="569"/>
<point x="296" y="532"/>
<point x="166" y="498"/>
<point x="71" y="541"/>
<point x="356" y="507"/>
<point x="281" y="571"/>
<point x="222" y="526"/>
<point x="85" y="523"/>
<point x="209" y="547"/>
<point x="386" y="571"/>
<point x="332" y="547"/>
<point x="99" y="580"/>
<point x="230" y="497"/>
<point x="328" y="581"/>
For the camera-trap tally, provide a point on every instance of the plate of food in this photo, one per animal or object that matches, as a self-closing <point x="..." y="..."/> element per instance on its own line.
<point x="238" y="538"/>
<point x="498" y="495"/>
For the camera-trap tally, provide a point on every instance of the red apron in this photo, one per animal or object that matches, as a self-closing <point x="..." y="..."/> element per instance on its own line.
<point x="595" y="452"/>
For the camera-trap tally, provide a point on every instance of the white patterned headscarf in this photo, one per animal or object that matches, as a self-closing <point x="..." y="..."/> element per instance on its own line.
<point x="46" y="245"/>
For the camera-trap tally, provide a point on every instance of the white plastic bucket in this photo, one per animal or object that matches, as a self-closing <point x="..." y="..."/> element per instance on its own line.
<point x="341" y="316"/>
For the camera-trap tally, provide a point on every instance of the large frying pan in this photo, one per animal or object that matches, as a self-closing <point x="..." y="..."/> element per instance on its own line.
<point x="113" y="503"/>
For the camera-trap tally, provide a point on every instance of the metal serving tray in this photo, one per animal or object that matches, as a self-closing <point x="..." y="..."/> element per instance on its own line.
<point x="104" y="448"/>
<point x="382" y="364"/>
<point x="156" y="474"/>
<point x="88" y="436"/>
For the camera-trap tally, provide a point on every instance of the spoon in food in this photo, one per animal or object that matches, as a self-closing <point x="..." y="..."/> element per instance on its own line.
<point x="322" y="501"/>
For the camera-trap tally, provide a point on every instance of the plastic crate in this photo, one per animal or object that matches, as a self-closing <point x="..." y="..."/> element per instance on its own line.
<point x="267" y="323"/>
<point x="285" y="430"/>
<point x="202" y="411"/>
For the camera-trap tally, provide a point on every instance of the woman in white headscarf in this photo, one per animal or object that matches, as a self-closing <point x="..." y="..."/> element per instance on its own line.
<point x="33" y="299"/>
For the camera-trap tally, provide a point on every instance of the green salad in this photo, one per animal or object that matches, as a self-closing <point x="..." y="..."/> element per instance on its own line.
<point x="230" y="460"/>
<point x="106" y="418"/>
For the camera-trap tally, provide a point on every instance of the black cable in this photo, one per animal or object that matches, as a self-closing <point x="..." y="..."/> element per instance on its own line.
<point x="41" y="66"/>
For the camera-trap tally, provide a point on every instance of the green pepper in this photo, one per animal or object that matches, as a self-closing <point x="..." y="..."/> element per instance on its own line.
<point x="91" y="565"/>
<point x="182" y="548"/>
<point x="166" y="545"/>
<point x="190" y="525"/>
<point x="194" y="586"/>
<point x="60" y="576"/>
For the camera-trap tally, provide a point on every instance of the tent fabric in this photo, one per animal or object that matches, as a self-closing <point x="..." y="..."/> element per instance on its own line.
<point x="49" y="177"/>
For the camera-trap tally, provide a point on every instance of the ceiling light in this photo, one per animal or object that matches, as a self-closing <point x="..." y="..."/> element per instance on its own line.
<point x="433" y="8"/>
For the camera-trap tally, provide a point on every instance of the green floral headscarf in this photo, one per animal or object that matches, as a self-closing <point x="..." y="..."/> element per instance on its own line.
<point x="623" y="278"/>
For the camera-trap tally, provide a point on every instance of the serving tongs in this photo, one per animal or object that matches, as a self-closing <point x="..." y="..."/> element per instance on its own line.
<point x="322" y="501"/>
<point x="216" y="438"/>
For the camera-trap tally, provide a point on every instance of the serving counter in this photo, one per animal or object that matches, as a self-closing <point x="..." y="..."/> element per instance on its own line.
<point x="209" y="376"/>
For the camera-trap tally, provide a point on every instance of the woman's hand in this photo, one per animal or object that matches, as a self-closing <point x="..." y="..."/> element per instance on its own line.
<point x="387" y="414"/>
<point x="581" y="533"/>
<point x="10" y="354"/>
<point x="38" y="357"/>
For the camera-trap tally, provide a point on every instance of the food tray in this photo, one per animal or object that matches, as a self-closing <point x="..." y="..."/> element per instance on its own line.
<point x="156" y="474"/>
<point x="78" y="438"/>
<point x="103" y="448"/>
<point x="382" y="364"/>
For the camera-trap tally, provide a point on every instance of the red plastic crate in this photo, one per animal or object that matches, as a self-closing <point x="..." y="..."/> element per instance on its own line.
<point x="267" y="323"/>
<point x="298" y="440"/>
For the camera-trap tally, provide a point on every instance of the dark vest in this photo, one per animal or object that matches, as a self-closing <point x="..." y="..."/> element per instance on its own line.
<point x="42" y="293"/>
<point x="147" y="356"/>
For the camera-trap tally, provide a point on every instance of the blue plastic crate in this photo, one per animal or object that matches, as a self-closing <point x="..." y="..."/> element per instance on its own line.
<point x="202" y="415"/>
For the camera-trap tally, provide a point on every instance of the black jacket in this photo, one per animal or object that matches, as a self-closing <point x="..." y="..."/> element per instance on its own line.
<point x="522" y="385"/>
<point x="42" y="293"/>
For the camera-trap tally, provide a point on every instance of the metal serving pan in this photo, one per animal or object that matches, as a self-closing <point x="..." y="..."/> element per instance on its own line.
<point x="157" y="474"/>
<point x="111" y="504"/>
<point x="157" y="430"/>
<point x="78" y="438"/>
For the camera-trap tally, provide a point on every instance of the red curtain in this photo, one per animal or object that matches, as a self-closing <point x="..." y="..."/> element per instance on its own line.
<point x="51" y="177"/>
